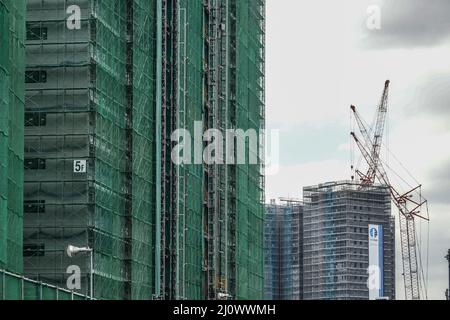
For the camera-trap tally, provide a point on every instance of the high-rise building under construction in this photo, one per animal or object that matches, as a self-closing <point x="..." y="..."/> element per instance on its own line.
<point x="283" y="250"/>
<point x="107" y="83"/>
<point x="340" y="221"/>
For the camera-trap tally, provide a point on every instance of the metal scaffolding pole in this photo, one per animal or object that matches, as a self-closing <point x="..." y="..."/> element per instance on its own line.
<point x="158" y="146"/>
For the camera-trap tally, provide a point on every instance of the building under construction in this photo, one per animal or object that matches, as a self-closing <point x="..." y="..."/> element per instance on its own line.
<point x="283" y="248"/>
<point x="107" y="82"/>
<point x="13" y="286"/>
<point x="12" y="53"/>
<point x="336" y="223"/>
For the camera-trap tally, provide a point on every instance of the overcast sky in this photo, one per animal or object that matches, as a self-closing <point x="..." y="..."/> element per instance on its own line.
<point x="322" y="57"/>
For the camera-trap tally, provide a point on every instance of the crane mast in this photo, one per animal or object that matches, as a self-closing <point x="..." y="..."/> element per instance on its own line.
<point x="408" y="205"/>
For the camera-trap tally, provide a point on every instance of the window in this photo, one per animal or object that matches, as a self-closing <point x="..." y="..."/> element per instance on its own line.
<point x="35" y="119"/>
<point x="36" y="32"/>
<point x="34" y="206"/>
<point x="35" y="164"/>
<point x="36" y="76"/>
<point x="34" y="250"/>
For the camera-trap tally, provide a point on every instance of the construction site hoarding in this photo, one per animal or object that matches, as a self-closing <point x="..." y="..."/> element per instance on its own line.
<point x="16" y="287"/>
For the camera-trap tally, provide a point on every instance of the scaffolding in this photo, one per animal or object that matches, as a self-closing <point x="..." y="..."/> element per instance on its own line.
<point x="145" y="153"/>
<point x="199" y="223"/>
<point x="12" y="56"/>
<point x="250" y="110"/>
<point x="102" y="103"/>
<point x="187" y="196"/>
<point x="337" y="216"/>
<point x="93" y="91"/>
<point x="283" y="251"/>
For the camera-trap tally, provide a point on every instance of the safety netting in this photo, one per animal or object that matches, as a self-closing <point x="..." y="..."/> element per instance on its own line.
<point x="250" y="75"/>
<point x="90" y="145"/>
<point x="12" y="64"/>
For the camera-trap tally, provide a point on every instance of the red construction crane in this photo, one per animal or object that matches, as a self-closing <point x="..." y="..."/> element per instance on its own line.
<point x="409" y="204"/>
<point x="375" y="144"/>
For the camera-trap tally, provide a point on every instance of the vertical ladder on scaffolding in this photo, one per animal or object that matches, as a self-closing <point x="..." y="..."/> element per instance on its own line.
<point x="164" y="148"/>
<point x="212" y="12"/>
<point x="173" y="254"/>
<point x="181" y="170"/>
<point x="223" y="172"/>
<point x="231" y="169"/>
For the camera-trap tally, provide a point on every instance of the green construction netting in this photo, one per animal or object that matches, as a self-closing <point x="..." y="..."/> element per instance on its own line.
<point x="12" y="34"/>
<point x="110" y="106"/>
<point x="110" y="163"/>
<point x="189" y="212"/>
<point x="144" y="143"/>
<point x="89" y="108"/>
<point x="80" y="107"/>
<point x="241" y="193"/>
<point x="250" y="115"/>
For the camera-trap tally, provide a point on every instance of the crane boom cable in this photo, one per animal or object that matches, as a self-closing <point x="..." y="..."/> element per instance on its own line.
<point x="368" y="141"/>
<point x="391" y="154"/>
<point x="362" y="126"/>
<point x="428" y="247"/>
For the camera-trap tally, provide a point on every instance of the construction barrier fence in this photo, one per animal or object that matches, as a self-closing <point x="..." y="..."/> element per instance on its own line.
<point x="16" y="287"/>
